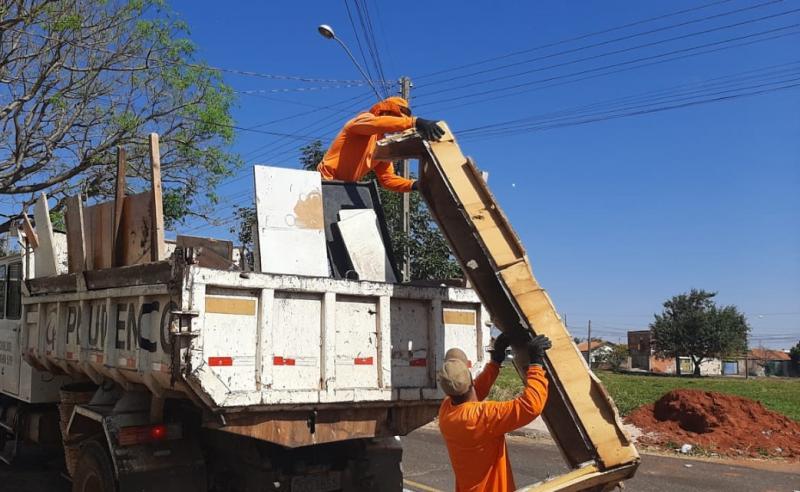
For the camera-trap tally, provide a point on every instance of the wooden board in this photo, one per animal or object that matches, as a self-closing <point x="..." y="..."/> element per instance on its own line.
<point x="133" y="245"/>
<point x="579" y="413"/>
<point x="30" y="234"/>
<point x="119" y="193"/>
<point x="45" y="264"/>
<point x="362" y="239"/>
<point x="76" y="237"/>
<point x="213" y="253"/>
<point x="158" y="251"/>
<point x="98" y="222"/>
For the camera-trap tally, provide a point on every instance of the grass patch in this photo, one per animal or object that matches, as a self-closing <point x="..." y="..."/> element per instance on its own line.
<point x="630" y="392"/>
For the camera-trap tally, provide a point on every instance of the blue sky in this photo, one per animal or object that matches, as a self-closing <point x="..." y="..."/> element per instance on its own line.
<point x="616" y="215"/>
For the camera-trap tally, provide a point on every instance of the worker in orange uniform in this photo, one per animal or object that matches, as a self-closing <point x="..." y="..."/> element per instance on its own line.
<point x="473" y="429"/>
<point x="349" y="157"/>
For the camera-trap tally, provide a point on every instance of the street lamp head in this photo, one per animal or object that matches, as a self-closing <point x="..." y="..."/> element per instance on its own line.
<point x="326" y="31"/>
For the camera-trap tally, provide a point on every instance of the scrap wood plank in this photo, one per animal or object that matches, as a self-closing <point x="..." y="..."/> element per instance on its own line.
<point x="30" y="234"/>
<point x="214" y="253"/>
<point x="45" y="264"/>
<point x="135" y="232"/>
<point x="76" y="237"/>
<point x="579" y="412"/>
<point x="119" y="194"/>
<point x="98" y="223"/>
<point x="158" y="251"/>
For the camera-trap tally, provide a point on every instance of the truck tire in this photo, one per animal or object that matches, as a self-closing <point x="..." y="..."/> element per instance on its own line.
<point x="94" y="472"/>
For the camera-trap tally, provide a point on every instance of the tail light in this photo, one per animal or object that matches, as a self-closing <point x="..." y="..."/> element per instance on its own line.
<point x="132" y="436"/>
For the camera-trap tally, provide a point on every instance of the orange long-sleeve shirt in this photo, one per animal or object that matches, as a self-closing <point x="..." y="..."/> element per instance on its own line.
<point x="349" y="157"/>
<point x="475" y="431"/>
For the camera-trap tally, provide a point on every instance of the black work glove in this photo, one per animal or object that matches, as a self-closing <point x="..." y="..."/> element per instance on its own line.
<point x="415" y="186"/>
<point x="536" y="348"/>
<point x="429" y="129"/>
<point x="498" y="351"/>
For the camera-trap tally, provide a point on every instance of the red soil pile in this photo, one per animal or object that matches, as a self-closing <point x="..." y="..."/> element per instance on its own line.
<point x="723" y="424"/>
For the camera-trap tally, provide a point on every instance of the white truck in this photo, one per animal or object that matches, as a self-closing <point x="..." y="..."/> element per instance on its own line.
<point x="198" y="378"/>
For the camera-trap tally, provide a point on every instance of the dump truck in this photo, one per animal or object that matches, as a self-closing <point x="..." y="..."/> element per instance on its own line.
<point x="185" y="366"/>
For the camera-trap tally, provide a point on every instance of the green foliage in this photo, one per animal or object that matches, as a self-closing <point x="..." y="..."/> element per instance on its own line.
<point x="617" y="357"/>
<point x="428" y="249"/>
<point x="692" y="325"/>
<point x="629" y="392"/>
<point x="794" y="352"/>
<point x="245" y="218"/>
<point x="137" y="74"/>
<point x="311" y="155"/>
<point x="58" y="221"/>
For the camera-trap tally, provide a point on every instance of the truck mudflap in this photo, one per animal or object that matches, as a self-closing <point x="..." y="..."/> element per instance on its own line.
<point x="579" y="413"/>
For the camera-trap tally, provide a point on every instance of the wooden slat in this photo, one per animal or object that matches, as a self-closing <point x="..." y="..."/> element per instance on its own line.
<point x="30" y="234"/>
<point x="76" y="237"/>
<point x="119" y="195"/>
<point x="134" y="235"/>
<point x="45" y="264"/>
<point x="158" y="249"/>
<point x="98" y="223"/>
<point x="144" y="274"/>
<point x="218" y="246"/>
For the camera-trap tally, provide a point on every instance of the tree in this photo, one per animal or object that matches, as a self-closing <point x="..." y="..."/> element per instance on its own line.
<point x="692" y="325"/>
<point x="616" y="357"/>
<point x="794" y="352"/>
<point x="81" y="77"/>
<point x="430" y="254"/>
<point x="311" y="155"/>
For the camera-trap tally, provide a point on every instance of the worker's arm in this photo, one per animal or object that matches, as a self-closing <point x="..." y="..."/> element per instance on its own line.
<point x="484" y="381"/>
<point x="369" y="124"/>
<point x="500" y="417"/>
<point x="384" y="171"/>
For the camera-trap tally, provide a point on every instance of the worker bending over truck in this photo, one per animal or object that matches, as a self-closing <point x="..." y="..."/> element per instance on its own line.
<point x="349" y="157"/>
<point x="473" y="429"/>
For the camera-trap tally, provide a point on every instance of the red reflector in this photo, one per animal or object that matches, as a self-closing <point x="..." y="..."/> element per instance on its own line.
<point x="158" y="432"/>
<point x="418" y="362"/>
<point x="220" y="361"/>
<point x="132" y="436"/>
<point x="282" y="361"/>
<point x="362" y="361"/>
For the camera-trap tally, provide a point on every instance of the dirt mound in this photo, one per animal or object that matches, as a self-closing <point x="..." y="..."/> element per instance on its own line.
<point x="718" y="423"/>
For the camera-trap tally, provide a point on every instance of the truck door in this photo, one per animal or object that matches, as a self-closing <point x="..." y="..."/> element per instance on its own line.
<point x="10" y="314"/>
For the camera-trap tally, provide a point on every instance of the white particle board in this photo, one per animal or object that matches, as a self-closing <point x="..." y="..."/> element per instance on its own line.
<point x="291" y="234"/>
<point x="362" y="238"/>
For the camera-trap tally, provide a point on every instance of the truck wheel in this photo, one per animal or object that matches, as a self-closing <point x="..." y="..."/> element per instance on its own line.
<point x="94" y="472"/>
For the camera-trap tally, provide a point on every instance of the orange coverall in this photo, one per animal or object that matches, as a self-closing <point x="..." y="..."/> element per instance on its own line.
<point x="475" y="431"/>
<point x="349" y="157"/>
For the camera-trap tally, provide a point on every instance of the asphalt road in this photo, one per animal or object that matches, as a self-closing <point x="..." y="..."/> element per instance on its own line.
<point x="426" y="468"/>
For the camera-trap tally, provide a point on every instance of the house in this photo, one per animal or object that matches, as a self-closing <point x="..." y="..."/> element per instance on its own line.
<point x="642" y="358"/>
<point x="760" y="362"/>
<point x="600" y="350"/>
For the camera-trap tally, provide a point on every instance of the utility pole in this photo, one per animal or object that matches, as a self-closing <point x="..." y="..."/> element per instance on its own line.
<point x="405" y="93"/>
<point x="589" y="350"/>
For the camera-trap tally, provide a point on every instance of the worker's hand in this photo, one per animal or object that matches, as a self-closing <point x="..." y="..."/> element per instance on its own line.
<point x="498" y="351"/>
<point x="536" y="348"/>
<point x="429" y="129"/>
<point x="415" y="186"/>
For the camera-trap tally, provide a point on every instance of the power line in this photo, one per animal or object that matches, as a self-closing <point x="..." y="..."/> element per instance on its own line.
<point x="683" y="53"/>
<point x="649" y="96"/>
<point x="249" y="73"/>
<point x="576" y="38"/>
<point x="609" y="53"/>
<point x="358" y="39"/>
<point x="756" y="90"/>
<point x="598" y="44"/>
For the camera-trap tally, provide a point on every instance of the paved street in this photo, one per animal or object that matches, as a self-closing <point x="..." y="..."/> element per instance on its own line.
<point x="427" y="469"/>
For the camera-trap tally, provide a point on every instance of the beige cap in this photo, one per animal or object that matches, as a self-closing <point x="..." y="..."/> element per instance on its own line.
<point x="454" y="376"/>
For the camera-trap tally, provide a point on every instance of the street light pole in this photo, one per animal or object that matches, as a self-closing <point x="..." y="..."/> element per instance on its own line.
<point x="405" y="93"/>
<point x="327" y="32"/>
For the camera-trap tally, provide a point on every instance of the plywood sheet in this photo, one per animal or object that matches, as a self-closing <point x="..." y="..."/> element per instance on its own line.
<point x="30" y="234"/>
<point x="45" y="264"/>
<point x="99" y="221"/>
<point x="362" y="238"/>
<point x="579" y="413"/>
<point x="135" y="232"/>
<point x="158" y="248"/>
<point x="291" y="237"/>
<point x="76" y="237"/>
